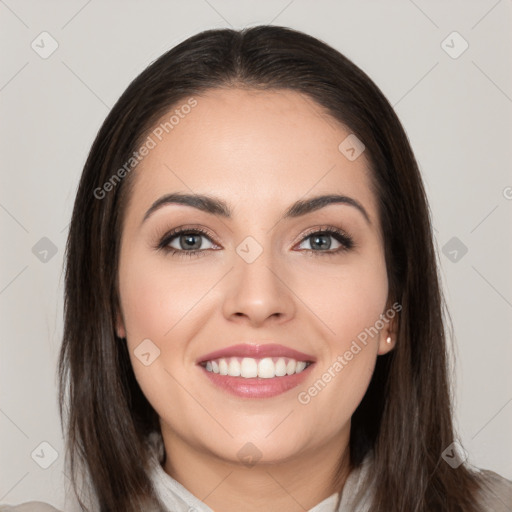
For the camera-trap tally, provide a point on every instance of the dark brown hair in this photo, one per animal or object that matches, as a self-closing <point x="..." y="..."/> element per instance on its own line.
<point x="405" y="418"/>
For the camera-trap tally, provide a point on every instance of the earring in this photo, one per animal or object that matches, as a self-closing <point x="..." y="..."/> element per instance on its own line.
<point x="388" y="340"/>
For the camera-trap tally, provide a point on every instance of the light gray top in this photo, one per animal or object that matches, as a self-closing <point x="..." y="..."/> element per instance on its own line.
<point x="496" y="495"/>
<point x="178" y="499"/>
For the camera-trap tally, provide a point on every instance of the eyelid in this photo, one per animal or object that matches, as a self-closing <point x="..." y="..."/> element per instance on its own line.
<point x="347" y="241"/>
<point x="165" y="239"/>
<point x="322" y="229"/>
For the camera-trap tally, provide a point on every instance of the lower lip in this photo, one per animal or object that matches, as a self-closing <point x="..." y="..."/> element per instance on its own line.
<point x="257" y="387"/>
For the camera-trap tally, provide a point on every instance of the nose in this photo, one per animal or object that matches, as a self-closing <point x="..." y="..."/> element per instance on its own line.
<point x="258" y="292"/>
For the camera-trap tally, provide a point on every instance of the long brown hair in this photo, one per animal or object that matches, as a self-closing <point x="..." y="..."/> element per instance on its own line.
<point x="405" y="418"/>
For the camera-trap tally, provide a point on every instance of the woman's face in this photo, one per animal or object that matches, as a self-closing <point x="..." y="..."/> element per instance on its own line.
<point x="263" y="275"/>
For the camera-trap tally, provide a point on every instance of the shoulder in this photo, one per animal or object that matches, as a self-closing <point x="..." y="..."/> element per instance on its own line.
<point x="31" y="506"/>
<point x="496" y="491"/>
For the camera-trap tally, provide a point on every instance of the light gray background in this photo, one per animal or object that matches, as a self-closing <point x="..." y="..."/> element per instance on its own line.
<point x="457" y="113"/>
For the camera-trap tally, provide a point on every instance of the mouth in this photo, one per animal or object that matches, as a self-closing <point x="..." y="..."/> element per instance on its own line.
<point x="256" y="371"/>
<point x="249" y="367"/>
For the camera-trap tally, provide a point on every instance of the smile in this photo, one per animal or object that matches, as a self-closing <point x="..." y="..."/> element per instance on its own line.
<point x="256" y="370"/>
<point x="248" y="367"/>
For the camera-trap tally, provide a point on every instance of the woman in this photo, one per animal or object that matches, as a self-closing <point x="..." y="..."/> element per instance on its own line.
<point x="253" y="317"/>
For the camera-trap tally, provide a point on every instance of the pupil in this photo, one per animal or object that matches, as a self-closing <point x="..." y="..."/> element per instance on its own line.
<point x="317" y="241"/>
<point x="188" y="241"/>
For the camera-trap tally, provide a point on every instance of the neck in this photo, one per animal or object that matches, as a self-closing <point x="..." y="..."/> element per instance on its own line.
<point x="295" y="485"/>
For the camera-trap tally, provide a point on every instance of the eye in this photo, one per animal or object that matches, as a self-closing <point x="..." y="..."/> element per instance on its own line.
<point x="189" y="242"/>
<point x="320" y="241"/>
<point x="186" y="242"/>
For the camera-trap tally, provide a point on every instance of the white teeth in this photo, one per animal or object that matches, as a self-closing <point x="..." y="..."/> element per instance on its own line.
<point x="280" y="367"/>
<point x="290" y="367"/>
<point x="234" y="367"/>
<point x="248" y="367"/>
<point x="266" y="368"/>
<point x="300" y="366"/>
<point x="223" y="367"/>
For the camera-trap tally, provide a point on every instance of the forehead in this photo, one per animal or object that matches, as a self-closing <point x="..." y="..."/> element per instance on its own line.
<point x="250" y="147"/>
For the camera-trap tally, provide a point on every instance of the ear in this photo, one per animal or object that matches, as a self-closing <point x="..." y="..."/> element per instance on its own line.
<point x="388" y="334"/>
<point x="120" y="328"/>
<point x="386" y="346"/>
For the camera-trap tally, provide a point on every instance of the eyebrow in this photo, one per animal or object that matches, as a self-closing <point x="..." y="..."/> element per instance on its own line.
<point x="215" y="206"/>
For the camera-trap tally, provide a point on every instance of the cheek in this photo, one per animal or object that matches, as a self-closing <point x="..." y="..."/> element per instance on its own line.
<point x="346" y="299"/>
<point x="157" y="294"/>
<point x="348" y="303"/>
<point x="158" y="301"/>
<point x="340" y="389"/>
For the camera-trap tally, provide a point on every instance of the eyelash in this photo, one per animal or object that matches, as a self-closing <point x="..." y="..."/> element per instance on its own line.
<point x="346" y="241"/>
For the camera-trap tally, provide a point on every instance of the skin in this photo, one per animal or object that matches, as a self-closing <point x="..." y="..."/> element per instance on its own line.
<point x="259" y="152"/>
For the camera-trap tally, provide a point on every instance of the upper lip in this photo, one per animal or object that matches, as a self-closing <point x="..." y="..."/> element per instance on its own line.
<point x="257" y="351"/>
